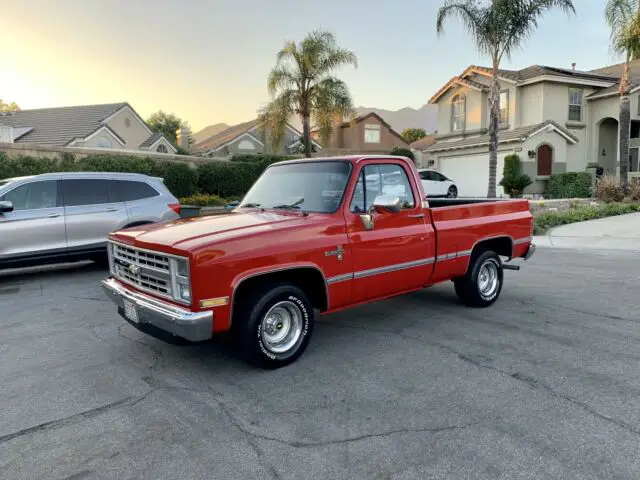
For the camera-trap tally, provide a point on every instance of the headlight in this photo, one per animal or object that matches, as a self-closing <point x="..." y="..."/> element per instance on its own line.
<point x="181" y="280"/>
<point x="112" y="268"/>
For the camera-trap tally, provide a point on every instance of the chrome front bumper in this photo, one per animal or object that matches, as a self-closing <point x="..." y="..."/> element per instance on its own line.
<point x="141" y="310"/>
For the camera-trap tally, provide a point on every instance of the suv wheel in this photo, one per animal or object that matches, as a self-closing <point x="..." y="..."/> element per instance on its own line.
<point x="274" y="327"/>
<point x="482" y="284"/>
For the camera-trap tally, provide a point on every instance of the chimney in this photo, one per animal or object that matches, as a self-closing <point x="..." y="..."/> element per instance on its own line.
<point x="183" y="138"/>
<point x="573" y="66"/>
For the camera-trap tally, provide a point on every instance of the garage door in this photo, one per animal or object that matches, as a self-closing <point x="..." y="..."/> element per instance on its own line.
<point x="471" y="173"/>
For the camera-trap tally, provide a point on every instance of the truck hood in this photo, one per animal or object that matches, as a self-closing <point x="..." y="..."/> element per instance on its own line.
<point x="189" y="233"/>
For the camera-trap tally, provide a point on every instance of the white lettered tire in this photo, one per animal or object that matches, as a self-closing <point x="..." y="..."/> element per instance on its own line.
<point x="274" y="325"/>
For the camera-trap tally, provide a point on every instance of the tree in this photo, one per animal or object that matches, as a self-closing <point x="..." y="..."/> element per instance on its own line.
<point x="168" y="125"/>
<point x="8" y="107"/>
<point x="403" y="152"/>
<point x="302" y="84"/>
<point x="623" y="17"/>
<point x="413" y="134"/>
<point x="513" y="180"/>
<point x="498" y="29"/>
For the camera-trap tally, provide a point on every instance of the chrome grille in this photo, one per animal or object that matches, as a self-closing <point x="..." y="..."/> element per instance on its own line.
<point x="145" y="270"/>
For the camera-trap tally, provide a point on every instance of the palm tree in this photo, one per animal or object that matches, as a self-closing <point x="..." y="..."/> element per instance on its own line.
<point x="302" y="83"/>
<point x="498" y="29"/>
<point x="623" y="17"/>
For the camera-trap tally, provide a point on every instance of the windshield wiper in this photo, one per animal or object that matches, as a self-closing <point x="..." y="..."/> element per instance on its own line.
<point x="294" y="205"/>
<point x="250" y="205"/>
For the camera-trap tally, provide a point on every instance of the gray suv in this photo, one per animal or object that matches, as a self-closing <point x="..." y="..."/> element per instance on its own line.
<point x="62" y="217"/>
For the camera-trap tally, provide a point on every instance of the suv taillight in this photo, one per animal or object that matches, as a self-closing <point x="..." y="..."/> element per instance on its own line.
<point x="175" y="207"/>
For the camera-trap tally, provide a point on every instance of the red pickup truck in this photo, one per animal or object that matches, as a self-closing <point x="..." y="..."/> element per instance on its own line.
<point x="311" y="235"/>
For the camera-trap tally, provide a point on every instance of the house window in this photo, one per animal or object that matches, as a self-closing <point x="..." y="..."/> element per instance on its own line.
<point x="161" y="149"/>
<point x="371" y="133"/>
<point x="504" y="106"/>
<point x="457" y="114"/>
<point x="575" y="104"/>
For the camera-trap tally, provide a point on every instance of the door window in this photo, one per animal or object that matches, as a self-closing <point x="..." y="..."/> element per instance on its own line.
<point x="34" y="196"/>
<point x="438" y="177"/>
<point x="79" y="192"/>
<point x="426" y="175"/>
<point x="128" y="191"/>
<point x="377" y="180"/>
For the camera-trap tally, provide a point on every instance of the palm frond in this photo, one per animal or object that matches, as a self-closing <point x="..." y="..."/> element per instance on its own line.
<point x="273" y="117"/>
<point x="621" y="15"/>
<point x="331" y="104"/>
<point x="472" y="17"/>
<point x="281" y="77"/>
<point x="520" y="18"/>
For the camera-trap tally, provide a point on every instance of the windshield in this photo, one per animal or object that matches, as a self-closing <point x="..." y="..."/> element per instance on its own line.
<point x="307" y="186"/>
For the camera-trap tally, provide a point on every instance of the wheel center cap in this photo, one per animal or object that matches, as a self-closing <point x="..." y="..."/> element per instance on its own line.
<point x="279" y="326"/>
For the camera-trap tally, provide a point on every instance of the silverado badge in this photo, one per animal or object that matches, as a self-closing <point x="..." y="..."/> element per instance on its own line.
<point x="133" y="269"/>
<point x="338" y="252"/>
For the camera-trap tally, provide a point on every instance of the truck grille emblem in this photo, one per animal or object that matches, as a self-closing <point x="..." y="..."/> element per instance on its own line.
<point x="133" y="269"/>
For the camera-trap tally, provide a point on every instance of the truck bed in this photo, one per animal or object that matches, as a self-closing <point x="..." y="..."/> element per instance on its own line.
<point x="451" y="202"/>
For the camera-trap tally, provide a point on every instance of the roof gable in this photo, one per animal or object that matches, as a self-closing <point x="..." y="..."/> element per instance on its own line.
<point x="361" y="118"/>
<point x="59" y="125"/>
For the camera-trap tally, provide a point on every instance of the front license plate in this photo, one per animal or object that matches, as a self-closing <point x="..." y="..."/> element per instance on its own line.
<point x="130" y="311"/>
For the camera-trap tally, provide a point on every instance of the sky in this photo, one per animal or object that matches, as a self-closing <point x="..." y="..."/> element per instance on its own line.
<point x="207" y="60"/>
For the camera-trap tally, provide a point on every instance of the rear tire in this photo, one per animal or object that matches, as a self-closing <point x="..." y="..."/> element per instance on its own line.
<point x="274" y="325"/>
<point x="452" y="192"/>
<point x="481" y="286"/>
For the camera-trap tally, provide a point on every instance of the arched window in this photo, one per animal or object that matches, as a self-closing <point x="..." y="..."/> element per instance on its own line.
<point x="161" y="149"/>
<point x="545" y="160"/>
<point x="457" y="113"/>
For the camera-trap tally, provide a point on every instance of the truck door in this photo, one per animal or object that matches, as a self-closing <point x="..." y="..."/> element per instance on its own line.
<point x="396" y="254"/>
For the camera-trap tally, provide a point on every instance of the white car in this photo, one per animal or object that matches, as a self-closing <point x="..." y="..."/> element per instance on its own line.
<point x="437" y="185"/>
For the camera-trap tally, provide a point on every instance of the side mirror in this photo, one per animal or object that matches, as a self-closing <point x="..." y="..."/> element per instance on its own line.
<point x="386" y="203"/>
<point x="6" y="207"/>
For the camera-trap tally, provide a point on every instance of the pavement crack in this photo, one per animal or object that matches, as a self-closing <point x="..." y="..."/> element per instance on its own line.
<point x="101" y="300"/>
<point x="310" y="444"/>
<point x="155" y="352"/>
<point x="78" y="417"/>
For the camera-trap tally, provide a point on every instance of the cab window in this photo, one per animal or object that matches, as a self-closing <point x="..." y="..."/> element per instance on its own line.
<point x="381" y="179"/>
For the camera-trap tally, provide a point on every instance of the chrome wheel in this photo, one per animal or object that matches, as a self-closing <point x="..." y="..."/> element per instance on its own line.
<point x="281" y="327"/>
<point x="488" y="279"/>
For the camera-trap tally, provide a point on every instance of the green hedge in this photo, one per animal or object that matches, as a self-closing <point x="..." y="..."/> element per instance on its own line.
<point x="224" y="179"/>
<point x="545" y="221"/>
<point x="569" y="185"/>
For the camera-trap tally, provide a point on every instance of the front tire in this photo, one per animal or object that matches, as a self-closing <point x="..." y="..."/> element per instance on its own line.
<point x="481" y="285"/>
<point x="452" y="192"/>
<point x="275" y="325"/>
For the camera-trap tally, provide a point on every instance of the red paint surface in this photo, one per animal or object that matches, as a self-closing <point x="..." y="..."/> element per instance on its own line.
<point x="225" y="249"/>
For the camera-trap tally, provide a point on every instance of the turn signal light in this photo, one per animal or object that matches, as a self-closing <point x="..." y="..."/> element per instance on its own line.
<point x="175" y="207"/>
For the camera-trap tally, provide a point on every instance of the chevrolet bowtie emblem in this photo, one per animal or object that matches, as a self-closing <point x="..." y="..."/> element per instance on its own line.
<point x="133" y="269"/>
<point x="338" y="252"/>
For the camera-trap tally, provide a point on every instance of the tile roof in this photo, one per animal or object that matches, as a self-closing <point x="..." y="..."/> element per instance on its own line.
<point x="225" y="136"/>
<point x="151" y="140"/>
<point x="423" y="142"/>
<point x="59" y="125"/>
<point x="515" y="135"/>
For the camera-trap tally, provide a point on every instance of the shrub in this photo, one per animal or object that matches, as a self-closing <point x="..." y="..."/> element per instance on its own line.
<point x="203" y="200"/>
<point x="513" y="180"/>
<point x="633" y="192"/>
<point x="224" y="179"/>
<point x="403" y="152"/>
<point x="569" y="185"/>
<point x="608" y="189"/>
<point x="545" y="221"/>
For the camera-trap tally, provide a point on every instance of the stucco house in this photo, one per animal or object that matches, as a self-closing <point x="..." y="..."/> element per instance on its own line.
<point x="364" y="133"/>
<point x="108" y="126"/>
<point x="245" y="139"/>
<point x="557" y="120"/>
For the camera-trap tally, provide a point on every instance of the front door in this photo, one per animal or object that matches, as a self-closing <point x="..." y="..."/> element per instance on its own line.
<point x="35" y="227"/>
<point x="91" y="213"/>
<point x="397" y="253"/>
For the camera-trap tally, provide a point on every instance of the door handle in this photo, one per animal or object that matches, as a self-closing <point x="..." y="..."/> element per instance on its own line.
<point x="112" y="210"/>
<point x="53" y="215"/>
<point x="417" y="215"/>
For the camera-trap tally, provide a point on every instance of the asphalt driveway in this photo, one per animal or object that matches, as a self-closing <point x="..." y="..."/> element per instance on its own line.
<point x="545" y="384"/>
